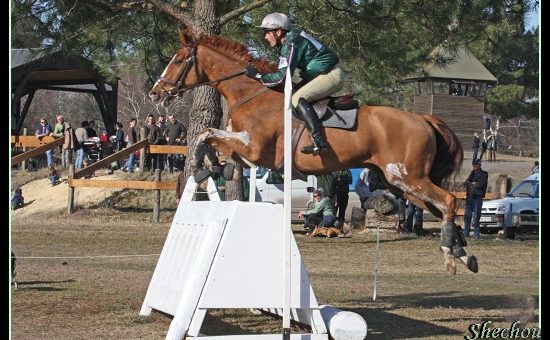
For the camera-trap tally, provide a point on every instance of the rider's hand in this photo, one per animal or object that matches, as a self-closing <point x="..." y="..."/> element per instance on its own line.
<point x="251" y="72"/>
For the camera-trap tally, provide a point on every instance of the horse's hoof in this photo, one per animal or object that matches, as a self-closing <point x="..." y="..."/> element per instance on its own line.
<point x="472" y="264"/>
<point x="228" y="171"/>
<point x="200" y="175"/>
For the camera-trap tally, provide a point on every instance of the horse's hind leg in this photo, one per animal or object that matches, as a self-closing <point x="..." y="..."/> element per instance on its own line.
<point x="425" y="194"/>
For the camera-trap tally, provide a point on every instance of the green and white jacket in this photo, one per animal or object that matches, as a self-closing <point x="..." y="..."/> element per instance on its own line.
<point x="301" y="50"/>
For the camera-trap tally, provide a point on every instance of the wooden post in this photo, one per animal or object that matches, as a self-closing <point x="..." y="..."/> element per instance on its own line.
<point x="24" y="163"/>
<point x="70" y="205"/>
<point x="156" y="203"/>
<point x="501" y="187"/>
<point x="142" y="152"/>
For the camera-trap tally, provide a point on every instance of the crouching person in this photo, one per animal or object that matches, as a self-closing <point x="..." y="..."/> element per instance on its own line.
<point x="320" y="215"/>
<point x="54" y="176"/>
<point x="17" y="201"/>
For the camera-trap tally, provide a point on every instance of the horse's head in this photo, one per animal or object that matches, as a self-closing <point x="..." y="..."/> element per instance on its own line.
<point x="181" y="73"/>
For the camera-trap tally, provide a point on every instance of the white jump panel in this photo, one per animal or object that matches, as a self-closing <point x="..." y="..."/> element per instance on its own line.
<point x="227" y="255"/>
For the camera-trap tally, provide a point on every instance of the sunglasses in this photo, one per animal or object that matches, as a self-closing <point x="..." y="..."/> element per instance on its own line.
<point x="42" y="122"/>
<point x="315" y="195"/>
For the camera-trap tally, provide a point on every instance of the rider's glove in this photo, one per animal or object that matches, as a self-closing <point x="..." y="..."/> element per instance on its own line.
<point x="251" y="72"/>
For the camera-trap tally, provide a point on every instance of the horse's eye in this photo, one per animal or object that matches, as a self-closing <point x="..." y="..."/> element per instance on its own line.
<point x="178" y="61"/>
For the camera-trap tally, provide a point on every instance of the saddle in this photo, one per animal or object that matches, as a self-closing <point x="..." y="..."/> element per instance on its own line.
<point x="337" y="112"/>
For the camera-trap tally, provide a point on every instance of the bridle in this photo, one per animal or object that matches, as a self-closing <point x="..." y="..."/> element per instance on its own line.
<point x="178" y="87"/>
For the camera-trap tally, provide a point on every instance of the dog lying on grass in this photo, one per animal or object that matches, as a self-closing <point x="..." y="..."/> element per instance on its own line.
<point x="326" y="231"/>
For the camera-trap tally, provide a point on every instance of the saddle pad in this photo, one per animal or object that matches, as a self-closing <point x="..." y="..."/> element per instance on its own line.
<point x="343" y="119"/>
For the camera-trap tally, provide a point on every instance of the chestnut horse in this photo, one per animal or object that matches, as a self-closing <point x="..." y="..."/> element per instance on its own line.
<point x="415" y="153"/>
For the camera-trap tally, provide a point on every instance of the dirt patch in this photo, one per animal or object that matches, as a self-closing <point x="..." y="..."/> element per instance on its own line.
<point x="43" y="198"/>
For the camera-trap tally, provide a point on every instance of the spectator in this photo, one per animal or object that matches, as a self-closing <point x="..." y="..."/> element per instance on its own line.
<point x="145" y="134"/>
<point x="103" y="138"/>
<point x="59" y="128"/>
<point x="362" y="187"/>
<point x="491" y="147"/>
<point x="155" y="137"/>
<point x="119" y="137"/>
<point x="414" y="221"/>
<point x="320" y="215"/>
<point x="535" y="168"/>
<point x="81" y="136"/>
<point x="476" y="186"/>
<point x="17" y="200"/>
<point x="45" y="129"/>
<point x="131" y="138"/>
<point x="375" y="181"/>
<point x="69" y="145"/>
<point x="91" y="129"/>
<point x="325" y="182"/>
<point x="117" y="141"/>
<point x="176" y="134"/>
<point x="342" y="180"/>
<point x="161" y="158"/>
<point x="475" y="146"/>
<point x="453" y="90"/>
<point x="483" y="148"/>
<point x="54" y="176"/>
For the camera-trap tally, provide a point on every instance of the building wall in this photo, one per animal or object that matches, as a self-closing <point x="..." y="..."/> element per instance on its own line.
<point x="463" y="114"/>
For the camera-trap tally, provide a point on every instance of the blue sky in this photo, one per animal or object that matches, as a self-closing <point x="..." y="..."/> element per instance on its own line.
<point x="532" y="19"/>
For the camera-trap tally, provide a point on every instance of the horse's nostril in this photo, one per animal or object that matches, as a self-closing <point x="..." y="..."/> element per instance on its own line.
<point x="153" y="95"/>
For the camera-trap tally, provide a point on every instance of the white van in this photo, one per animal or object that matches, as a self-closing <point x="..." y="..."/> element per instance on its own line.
<point x="270" y="186"/>
<point x="518" y="211"/>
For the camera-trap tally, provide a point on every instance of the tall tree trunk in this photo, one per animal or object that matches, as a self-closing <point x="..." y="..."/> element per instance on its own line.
<point x="206" y="110"/>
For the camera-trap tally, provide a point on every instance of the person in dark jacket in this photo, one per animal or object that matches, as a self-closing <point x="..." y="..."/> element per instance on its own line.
<point x="319" y="70"/>
<point x="17" y="200"/>
<point x="475" y="146"/>
<point x="476" y="186"/>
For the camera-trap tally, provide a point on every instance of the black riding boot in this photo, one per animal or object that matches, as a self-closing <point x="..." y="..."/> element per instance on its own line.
<point x="312" y="123"/>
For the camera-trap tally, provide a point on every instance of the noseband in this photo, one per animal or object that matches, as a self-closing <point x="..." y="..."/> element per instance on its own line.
<point x="178" y="85"/>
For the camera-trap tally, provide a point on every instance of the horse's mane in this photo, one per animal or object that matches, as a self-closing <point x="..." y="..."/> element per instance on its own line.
<point x="236" y="51"/>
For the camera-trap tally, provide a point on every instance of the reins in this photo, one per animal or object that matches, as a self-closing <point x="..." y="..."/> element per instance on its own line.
<point x="232" y="75"/>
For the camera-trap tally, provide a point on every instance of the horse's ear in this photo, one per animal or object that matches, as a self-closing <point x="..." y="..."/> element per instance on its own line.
<point x="185" y="37"/>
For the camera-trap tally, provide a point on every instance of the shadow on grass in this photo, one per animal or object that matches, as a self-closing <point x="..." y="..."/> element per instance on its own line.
<point x="383" y="324"/>
<point x="30" y="285"/>
<point x="213" y="325"/>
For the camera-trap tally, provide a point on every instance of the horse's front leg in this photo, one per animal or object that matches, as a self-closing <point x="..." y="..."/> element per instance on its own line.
<point x="205" y="161"/>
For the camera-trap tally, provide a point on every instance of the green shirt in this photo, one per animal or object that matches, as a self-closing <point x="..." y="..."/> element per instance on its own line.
<point x="59" y="130"/>
<point x="301" y="50"/>
<point x="324" y="206"/>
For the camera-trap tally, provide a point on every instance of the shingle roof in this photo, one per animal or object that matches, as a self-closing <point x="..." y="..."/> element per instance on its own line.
<point x="464" y="67"/>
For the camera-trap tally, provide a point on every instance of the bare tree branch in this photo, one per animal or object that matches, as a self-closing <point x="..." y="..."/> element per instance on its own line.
<point x="182" y="17"/>
<point x="241" y="10"/>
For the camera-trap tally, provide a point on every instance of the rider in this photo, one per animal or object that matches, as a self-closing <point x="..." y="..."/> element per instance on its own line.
<point x="319" y="70"/>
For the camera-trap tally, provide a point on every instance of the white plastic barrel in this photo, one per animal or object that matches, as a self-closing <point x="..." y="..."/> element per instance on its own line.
<point x="343" y="325"/>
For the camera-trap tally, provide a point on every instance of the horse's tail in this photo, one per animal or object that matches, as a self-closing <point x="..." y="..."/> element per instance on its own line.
<point x="449" y="154"/>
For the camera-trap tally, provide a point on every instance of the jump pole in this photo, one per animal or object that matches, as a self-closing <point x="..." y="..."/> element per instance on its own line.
<point x="287" y="186"/>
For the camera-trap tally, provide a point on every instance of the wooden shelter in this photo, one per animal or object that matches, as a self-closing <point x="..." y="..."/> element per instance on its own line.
<point x="454" y="91"/>
<point x="33" y="70"/>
